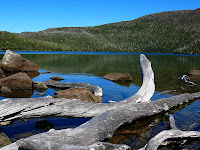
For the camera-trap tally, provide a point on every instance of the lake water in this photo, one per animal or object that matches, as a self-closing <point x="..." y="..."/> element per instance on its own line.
<point x="83" y="67"/>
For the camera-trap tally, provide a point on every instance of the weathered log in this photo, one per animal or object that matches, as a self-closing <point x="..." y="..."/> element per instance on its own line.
<point x="103" y="126"/>
<point x="169" y="134"/>
<point x="46" y="145"/>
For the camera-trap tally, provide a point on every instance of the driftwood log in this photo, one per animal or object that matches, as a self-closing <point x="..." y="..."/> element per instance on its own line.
<point x="108" y="117"/>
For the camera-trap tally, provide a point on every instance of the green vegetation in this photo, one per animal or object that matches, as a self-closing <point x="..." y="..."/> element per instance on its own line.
<point x="166" y="32"/>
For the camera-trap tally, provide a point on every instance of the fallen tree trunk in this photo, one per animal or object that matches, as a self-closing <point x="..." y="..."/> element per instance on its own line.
<point x="105" y="124"/>
<point x="14" y="108"/>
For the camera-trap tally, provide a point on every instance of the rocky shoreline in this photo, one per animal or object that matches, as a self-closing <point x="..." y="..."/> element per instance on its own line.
<point x="16" y="73"/>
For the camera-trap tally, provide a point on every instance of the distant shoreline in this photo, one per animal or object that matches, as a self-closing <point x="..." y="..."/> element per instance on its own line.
<point x="96" y="53"/>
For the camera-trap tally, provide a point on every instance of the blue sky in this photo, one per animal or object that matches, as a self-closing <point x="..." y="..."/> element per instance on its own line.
<point x="36" y="15"/>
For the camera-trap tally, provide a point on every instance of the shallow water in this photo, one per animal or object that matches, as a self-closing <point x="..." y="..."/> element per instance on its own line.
<point x="90" y="68"/>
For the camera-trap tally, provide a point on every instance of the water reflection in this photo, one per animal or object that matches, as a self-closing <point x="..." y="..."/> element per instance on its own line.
<point x="21" y="93"/>
<point x="126" y="84"/>
<point x="167" y="68"/>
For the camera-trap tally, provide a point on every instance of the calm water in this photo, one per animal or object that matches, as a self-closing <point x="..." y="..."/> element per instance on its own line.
<point x="91" y="67"/>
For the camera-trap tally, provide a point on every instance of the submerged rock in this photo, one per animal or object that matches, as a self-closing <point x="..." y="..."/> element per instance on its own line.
<point x="17" y="81"/>
<point x="50" y="81"/>
<point x="4" y="140"/>
<point x="78" y="93"/>
<point x="15" y="62"/>
<point x="40" y="94"/>
<point x="5" y="123"/>
<point x="119" y="77"/>
<point x="56" y="78"/>
<point x="44" y="125"/>
<point x="195" y="72"/>
<point x="40" y="87"/>
<point x="45" y="72"/>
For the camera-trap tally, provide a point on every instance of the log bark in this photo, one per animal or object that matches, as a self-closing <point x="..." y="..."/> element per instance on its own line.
<point x="108" y="117"/>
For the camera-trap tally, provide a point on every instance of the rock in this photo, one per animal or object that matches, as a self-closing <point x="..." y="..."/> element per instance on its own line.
<point x="40" y="94"/>
<point x="17" y="81"/>
<point x="119" y="77"/>
<point x="5" y="89"/>
<point x="44" y="125"/>
<point x="5" y="123"/>
<point x="78" y="93"/>
<point x="45" y="72"/>
<point x="195" y="72"/>
<point x="40" y="87"/>
<point x="2" y="74"/>
<point x="4" y="140"/>
<point x="50" y="81"/>
<point x="15" y="62"/>
<point x="56" y="78"/>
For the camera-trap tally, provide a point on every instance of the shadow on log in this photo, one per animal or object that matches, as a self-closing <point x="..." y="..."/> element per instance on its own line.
<point x="107" y="117"/>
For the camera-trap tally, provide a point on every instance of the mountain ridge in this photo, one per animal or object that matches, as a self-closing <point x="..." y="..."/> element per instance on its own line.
<point x="165" y="32"/>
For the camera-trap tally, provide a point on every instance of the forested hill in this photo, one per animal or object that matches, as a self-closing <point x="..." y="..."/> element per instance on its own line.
<point x="166" y="32"/>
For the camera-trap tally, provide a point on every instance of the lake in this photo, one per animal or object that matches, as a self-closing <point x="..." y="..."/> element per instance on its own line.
<point x="83" y="67"/>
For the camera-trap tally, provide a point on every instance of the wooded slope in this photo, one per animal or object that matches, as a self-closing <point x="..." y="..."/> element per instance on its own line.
<point x="165" y="32"/>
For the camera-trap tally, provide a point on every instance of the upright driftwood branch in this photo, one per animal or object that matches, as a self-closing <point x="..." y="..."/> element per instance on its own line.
<point x="106" y="123"/>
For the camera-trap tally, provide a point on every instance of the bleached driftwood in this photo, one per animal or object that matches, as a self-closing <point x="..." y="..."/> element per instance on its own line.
<point x="106" y="123"/>
<point x="46" y="145"/>
<point x="14" y="108"/>
<point x="103" y="125"/>
<point x="169" y="134"/>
